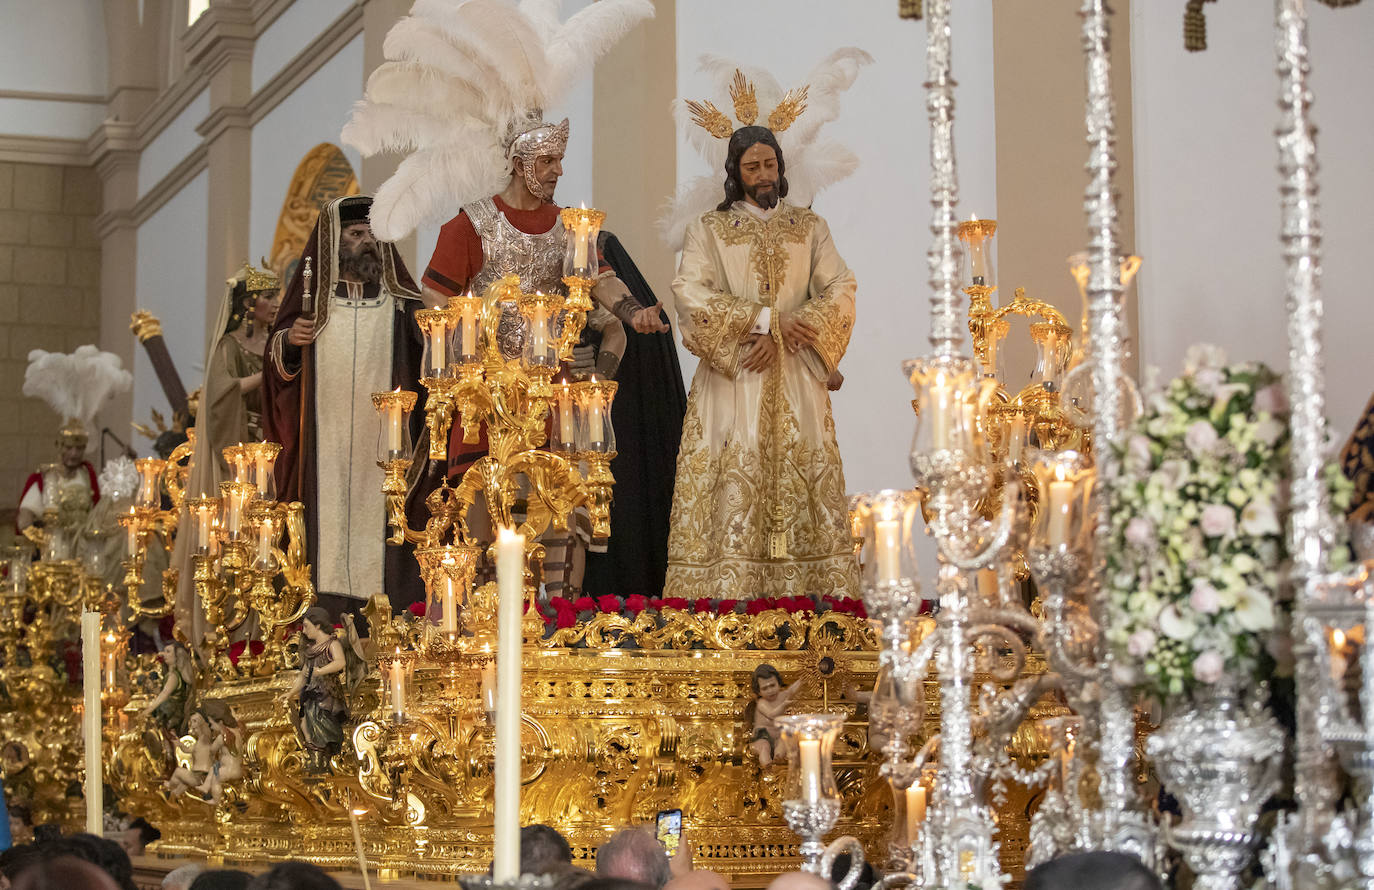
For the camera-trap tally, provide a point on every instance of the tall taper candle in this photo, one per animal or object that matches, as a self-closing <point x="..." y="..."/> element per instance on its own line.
<point x="90" y="719"/>
<point x="510" y="579"/>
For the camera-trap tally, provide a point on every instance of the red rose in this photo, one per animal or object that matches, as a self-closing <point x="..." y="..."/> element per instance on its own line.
<point x="636" y="603"/>
<point x="608" y="603"/>
<point x="417" y="609"/>
<point x="702" y="605"/>
<point x="655" y="603"/>
<point x="565" y="615"/>
<point x="725" y="607"/>
<point x="559" y="602"/>
<point x="584" y="604"/>
<point x="754" y="607"/>
<point x="676" y="602"/>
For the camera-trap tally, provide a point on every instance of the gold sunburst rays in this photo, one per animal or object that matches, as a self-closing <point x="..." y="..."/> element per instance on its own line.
<point x="706" y="115"/>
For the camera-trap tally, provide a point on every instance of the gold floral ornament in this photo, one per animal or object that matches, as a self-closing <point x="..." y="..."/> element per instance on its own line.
<point x="714" y="121"/>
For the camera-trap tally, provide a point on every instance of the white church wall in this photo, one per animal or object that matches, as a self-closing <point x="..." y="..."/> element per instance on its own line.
<point x="60" y="49"/>
<point x="880" y="216"/>
<point x="171" y="146"/>
<point x="1207" y="189"/>
<point x="314" y="113"/>
<point x="171" y="255"/>
<point x="298" y="24"/>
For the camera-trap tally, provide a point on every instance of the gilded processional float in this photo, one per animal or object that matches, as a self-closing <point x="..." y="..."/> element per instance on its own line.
<point x="953" y="746"/>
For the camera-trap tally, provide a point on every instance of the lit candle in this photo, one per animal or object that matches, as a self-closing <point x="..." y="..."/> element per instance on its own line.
<point x="580" y="231"/>
<point x="915" y="810"/>
<point x="810" y="766"/>
<point x="1016" y="436"/>
<point x="565" y="416"/>
<point x="206" y="533"/>
<point x="1060" y="502"/>
<point x="265" y="539"/>
<point x="977" y="257"/>
<point x="90" y="719"/>
<point x="111" y="664"/>
<point x="398" y="687"/>
<point x="488" y="690"/>
<point x="132" y="528"/>
<point x="450" y="613"/>
<point x="393" y="429"/>
<point x="596" y="431"/>
<point x="1339" y="663"/>
<point x="469" y="329"/>
<point x="438" y="350"/>
<point x="539" y="332"/>
<point x="510" y="578"/>
<point x="887" y="536"/>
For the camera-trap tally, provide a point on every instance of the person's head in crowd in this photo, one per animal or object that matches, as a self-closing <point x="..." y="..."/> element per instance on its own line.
<point x="543" y="850"/>
<point x="599" y="882"/>
<point x="106" y="854"/>
<point x="221" y="879"/>
<point x="839" y="870"/>
<point x="294" y="876"/>
<point x="698" y="880"/>
<point x="1093" y="871"/>
<point x="800" y="880"/>
<point x="180" y="878"/>
<point x="48" y="831"/>
<point x="64" y="873"/>
<point x="570" y="877"/>
<point x="635" y="855"/>
<point x="16" y="859"/>
<point x="146" y="834"/>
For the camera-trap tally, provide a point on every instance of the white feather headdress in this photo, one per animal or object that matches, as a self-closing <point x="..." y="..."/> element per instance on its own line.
<point x="76" y="385"/>
<point x="458" y="74"/>
<point x="811" y="164"/>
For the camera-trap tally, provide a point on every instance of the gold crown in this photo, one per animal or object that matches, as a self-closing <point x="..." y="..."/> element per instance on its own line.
<point x="257" y="280"/>
<point x="714" y="121"/>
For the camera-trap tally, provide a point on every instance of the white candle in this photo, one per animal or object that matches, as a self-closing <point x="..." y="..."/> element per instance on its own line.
<point x="450" y="616"/>
<point x="510" y="578"/>
<point x="810" y="766"/>
<point x="398" y="687"/>
<point x="438" y="349"/>
<point x="264" y="473"/>
<point x="915" y="810"/>
<point x="393" y="430"/>
<point x="353" y="814"/>
<point x="1339" y="663"/>
<point x="488" y="690"/>
<point x="265" y="539"/>
<point x="90" y="719"/>
<point x="207" y="536"/>
<point x="596" y="429"/>
<point x="132" y="529"/>
<point x="580" y="231"/>
<point x="1060" y="503"/>
<point x="539" y="333"/>
<point x="565" y="417"/>
<point x="469" y="330"/>
<point x="977" y="258"/>
<point x="111" y="664"/>
<point x="1016" y="436"/>
<point x="939" y="415"/>
<point x="887" y="537"/>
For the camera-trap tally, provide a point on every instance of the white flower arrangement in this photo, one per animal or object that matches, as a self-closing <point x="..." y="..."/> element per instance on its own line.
<point x="1195" y="565"/>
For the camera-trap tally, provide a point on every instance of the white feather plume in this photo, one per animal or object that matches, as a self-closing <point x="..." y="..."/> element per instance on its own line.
<point x="76" y="385"/>
<point x="458" y="73"/>
<point x="811" y="165"/>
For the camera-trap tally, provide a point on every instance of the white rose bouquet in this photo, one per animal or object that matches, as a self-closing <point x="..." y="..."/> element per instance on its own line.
<point x="1197" y="548"/>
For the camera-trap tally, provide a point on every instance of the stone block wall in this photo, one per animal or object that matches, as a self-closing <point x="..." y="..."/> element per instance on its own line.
<point x="49" y="299"/>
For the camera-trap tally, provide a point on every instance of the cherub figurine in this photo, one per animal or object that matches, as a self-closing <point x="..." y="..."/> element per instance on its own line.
<point x="171" y="707"/>
<point x="770" y="703"/>
<point x="202" y="759"/>
<point x="226" y="765"/>
<point x="319" y="690"/>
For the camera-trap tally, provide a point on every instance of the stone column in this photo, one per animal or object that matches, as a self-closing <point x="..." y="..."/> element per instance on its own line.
<point x="221" y="43"/>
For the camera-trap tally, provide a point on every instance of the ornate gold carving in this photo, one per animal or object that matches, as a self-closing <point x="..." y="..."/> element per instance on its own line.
<point x="145" y="325"/>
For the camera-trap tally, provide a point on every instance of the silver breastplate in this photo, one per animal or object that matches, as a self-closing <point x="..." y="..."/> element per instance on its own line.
<point x="537" y="259"/>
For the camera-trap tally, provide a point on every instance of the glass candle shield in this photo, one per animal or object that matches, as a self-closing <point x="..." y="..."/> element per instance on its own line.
<point x="265" y="528"/>
<point x="978" y="267"/>
<point x="540" y="312"/>
<point x="393" y="438"/>
<point x="397" y="670"/>
<point x="203" y="513"/>
<point x="594" y="430"/>
<point x="1063" y="518"/>
<point x="234" y="498"/>
<point x="809" y="743"/>
<point x="563" y="419"/>
<point x="464" y="339"/>
<point x="149" y="481"/>
<point x="888" y="523"/>
<point x="448" y="574"/>
<point x="435" y="327"/>
<point x="580" y="259"/>
<point x="237" y="462"/>
<point x="1052" y="354"/>
<point x="261" y="458"/>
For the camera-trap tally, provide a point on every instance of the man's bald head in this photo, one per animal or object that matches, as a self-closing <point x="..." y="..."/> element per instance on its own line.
<point x="698" y="880"/>
<point x="799" y="880"/>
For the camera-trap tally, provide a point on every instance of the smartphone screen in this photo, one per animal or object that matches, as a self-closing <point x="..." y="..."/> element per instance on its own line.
<point x="668" y="830"/>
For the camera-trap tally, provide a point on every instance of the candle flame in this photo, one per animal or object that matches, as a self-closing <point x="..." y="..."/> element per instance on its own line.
<point x="973" y="217"/>
<point x="1338" y="638"/>
<point x="359" y="811"/>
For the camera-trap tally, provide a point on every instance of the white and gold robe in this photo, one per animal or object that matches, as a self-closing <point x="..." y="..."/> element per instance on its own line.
<point x="759" y="507"/>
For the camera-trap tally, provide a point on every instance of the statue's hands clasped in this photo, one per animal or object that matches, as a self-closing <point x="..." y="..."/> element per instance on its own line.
<point x="796" y="333"/>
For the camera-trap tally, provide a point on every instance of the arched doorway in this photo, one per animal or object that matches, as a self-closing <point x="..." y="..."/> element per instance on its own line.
<point x="322" y="175"/>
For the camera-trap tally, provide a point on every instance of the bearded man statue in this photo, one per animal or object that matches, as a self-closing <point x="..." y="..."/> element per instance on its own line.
<point x="349" y="333"/>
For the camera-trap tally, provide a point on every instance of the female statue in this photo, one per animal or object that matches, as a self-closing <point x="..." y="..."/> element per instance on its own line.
<point x="322" y="708"/>
<point x="172" y="705"/>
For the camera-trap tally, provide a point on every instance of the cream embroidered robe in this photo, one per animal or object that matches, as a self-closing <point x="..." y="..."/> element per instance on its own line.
<point x="759" y="507"/>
